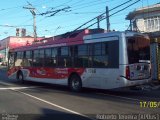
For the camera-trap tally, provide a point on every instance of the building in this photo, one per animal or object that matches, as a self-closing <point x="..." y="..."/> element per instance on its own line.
<point x="13" y="42"/>
<point x="147" y="21"/>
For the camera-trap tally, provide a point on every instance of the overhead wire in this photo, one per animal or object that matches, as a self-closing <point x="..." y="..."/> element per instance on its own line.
<point x="115" y="12"/>
<point x="76" y="6"/>
<point x="95" y="18"/>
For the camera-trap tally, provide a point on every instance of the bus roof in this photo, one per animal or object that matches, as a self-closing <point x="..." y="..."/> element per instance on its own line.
<point x="70" y="38"/>
<point x="77" y="37"/>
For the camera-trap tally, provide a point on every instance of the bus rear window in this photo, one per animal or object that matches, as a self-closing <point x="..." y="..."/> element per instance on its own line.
<point x="138" y="49"/>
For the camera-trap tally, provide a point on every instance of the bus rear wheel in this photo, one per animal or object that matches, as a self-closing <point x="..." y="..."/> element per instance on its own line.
<point x="75" y="83"/>
<point x="20" y="77"/>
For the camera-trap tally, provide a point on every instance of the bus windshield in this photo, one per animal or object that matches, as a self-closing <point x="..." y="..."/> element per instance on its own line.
<point x="138" y="49"/>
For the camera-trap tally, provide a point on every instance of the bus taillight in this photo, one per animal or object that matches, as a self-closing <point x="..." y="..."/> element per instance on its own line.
<point x="127" y="72"/>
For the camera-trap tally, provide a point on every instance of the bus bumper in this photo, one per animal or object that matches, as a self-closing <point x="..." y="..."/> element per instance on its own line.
<point x="137" y="82"/>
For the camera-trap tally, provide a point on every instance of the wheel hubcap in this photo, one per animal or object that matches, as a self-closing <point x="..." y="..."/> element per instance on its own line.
<point x="75" y="84"/>
<point x="20" y="77"/>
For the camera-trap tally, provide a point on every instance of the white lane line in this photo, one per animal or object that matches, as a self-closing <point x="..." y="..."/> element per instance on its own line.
<point x="17" y="88"/>
<point x="127" y="98"/>
<point x="5" y="83"/>
<point x="55" y="105"/>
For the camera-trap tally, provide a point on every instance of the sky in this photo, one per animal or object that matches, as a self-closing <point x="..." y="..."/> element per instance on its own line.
<point x="72" y="14"/>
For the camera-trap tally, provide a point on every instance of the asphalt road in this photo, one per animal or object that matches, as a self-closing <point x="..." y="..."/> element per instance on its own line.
<point x="39" y="101"/>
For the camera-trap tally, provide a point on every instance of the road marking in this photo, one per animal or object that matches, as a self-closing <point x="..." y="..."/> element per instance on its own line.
<point x="52" y="104"/>
<point x="5" y="83"/>
<point x="17" y="88"/>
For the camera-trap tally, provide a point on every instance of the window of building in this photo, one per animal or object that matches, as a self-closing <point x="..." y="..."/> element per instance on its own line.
<point x="152" y="24"/>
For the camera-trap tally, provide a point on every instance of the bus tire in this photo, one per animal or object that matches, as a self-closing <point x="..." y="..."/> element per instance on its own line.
<point x="20" y="77"/>
<point x="75" y="83"/>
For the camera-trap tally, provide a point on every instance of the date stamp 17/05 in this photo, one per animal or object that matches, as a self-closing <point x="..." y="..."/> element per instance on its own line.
<point x="149" y="104"/>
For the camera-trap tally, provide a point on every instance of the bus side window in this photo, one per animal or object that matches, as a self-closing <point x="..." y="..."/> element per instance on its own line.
<point x="64" y="60"/>
<point x="113" y="51"/>
<point x="48" y="54"/>
<point x="27" y="61"/>
<point x="81" y="59"/>
<point x="50" y="57"/>
<point x="19" y="59"/>
<point x="41" y="58"/>
<point x="100" y="55"/>
<point x="54" y="57"/>
<point x="35" y="58"/>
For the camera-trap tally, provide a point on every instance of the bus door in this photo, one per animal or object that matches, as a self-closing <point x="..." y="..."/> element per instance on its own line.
<point x="11" y="60"/>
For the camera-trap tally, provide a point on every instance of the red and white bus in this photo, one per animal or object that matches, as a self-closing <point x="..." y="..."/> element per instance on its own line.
<point x="102" y="60"/>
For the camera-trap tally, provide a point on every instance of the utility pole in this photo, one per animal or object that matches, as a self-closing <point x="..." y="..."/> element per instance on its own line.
<point x="98" y="22"/>
<point x="131" y="25"/>
<point x="32" y="10"/>
<point x="107" y="19"/>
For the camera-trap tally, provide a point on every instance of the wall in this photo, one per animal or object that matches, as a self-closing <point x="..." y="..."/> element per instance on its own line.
<point x="140" y="19"/>
<point x="19" y="41"/>
<point x="4" y="43"/>
<point x="13" y="42"/>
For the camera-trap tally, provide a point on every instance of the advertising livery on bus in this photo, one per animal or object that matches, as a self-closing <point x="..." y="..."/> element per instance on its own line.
<point x="85" y="59"/>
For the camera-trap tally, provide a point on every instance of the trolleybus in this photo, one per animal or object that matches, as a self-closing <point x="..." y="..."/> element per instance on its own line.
<point x="83" y="59"/>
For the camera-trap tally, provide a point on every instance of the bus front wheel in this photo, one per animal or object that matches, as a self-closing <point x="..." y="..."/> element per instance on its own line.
<point x="75" y="83"/>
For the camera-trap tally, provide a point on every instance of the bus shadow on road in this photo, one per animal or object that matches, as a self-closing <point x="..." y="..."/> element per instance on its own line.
<point x="51" y="114"/>
<point x="115" y="94"/>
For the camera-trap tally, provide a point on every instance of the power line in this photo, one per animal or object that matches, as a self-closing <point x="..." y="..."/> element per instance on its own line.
<point x="88" y="5"/>
<point x="54" y="12"/>
<point x="102" y="14"/>
<point x="115" y="12"/>
<point x="116" y="6"/>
